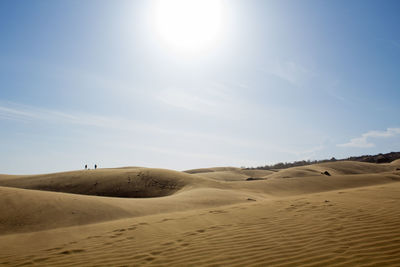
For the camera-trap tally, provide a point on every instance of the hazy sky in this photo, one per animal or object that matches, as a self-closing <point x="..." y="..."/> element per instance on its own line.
<point x="109" y="82"/>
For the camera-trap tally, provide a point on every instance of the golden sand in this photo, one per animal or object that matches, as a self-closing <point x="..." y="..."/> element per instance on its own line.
<point x="203" y="217"/>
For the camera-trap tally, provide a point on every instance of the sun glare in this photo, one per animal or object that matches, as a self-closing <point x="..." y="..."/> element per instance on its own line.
<point x="189" y="25"/>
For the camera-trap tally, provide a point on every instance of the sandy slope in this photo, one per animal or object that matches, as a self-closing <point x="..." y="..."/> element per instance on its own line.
<point x="120" y="182"/>
<point x="213" y="169"/>
<point x="395" y="162"/>
<point x="229" y="173"/>
<point x="348" y="218"/>
<point x="334" y="168"/>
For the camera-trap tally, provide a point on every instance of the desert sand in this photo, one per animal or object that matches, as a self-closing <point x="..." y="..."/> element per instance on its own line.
<point x="204" y="217"/>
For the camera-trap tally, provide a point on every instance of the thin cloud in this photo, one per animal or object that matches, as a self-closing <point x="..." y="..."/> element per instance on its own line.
<point x="26" y="113"/>
<point x="15" y="114"/>
<point x="215" y="99"/>
<point x="364" y="142"/>
<point x="290" y="71"/>
<point x="186" y="99"/>
<point x="29" y="114"/>
<point x="129" y="127"/>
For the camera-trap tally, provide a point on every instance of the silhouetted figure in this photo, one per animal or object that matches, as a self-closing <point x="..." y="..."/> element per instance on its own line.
<point x="86" y="167"/>
<point x="95" y="166"/>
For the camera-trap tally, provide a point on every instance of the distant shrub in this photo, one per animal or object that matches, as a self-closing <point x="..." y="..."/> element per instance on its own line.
<point x="379" y="158"/>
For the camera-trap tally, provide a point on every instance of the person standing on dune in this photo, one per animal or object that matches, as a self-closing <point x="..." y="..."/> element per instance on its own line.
<point x="86" y="167"/>
<point x="95" y="166"/>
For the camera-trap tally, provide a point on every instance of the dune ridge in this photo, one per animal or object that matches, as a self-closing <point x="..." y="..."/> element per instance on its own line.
<point x="335" y="228"/>
<point x="120" y="182"/>
<point x="206" y="217"/>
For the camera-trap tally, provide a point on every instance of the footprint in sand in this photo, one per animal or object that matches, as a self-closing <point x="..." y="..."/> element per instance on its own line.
<point x="53" y="249"/>
<point x="292" y="207"/>
<point x="67" y="252"/>
<point x="150" y="258"/>
<point x="341" y="250"/>
<point x="165" y="220"/>
<point x="189" y="234"/>
<point x="116" y="235"/>
<point x="140" y="256"/>
<point x="119" y="230"/>
<point x="93" y="236"/>
<point x="217" y="211"/>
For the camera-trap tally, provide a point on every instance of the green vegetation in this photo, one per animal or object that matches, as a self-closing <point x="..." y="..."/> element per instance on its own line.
<point x="379" y="158"/>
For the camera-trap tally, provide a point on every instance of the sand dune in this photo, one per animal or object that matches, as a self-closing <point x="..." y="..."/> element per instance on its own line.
<point x="334" y="168"/>
<point x="31" y="210"/>
<point x="214" y="169"/>
<point x="204" y="217"/>
<point x="120" y="182"/>
<point x="235" y="175"/>
<point x="395" y="162"/>
<point x="229" y="173"/>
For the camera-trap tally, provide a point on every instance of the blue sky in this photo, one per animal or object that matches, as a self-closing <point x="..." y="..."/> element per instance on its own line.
<point x="85" y="82"/>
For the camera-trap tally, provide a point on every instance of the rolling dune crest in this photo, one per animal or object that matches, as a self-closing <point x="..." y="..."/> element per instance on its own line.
<point x="210" y="217"/>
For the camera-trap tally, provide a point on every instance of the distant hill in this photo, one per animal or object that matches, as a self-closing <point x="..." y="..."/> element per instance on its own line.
<point x="379" y="158"/>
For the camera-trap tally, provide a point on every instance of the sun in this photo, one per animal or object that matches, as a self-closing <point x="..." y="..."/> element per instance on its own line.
<point x="189" y="25"/>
